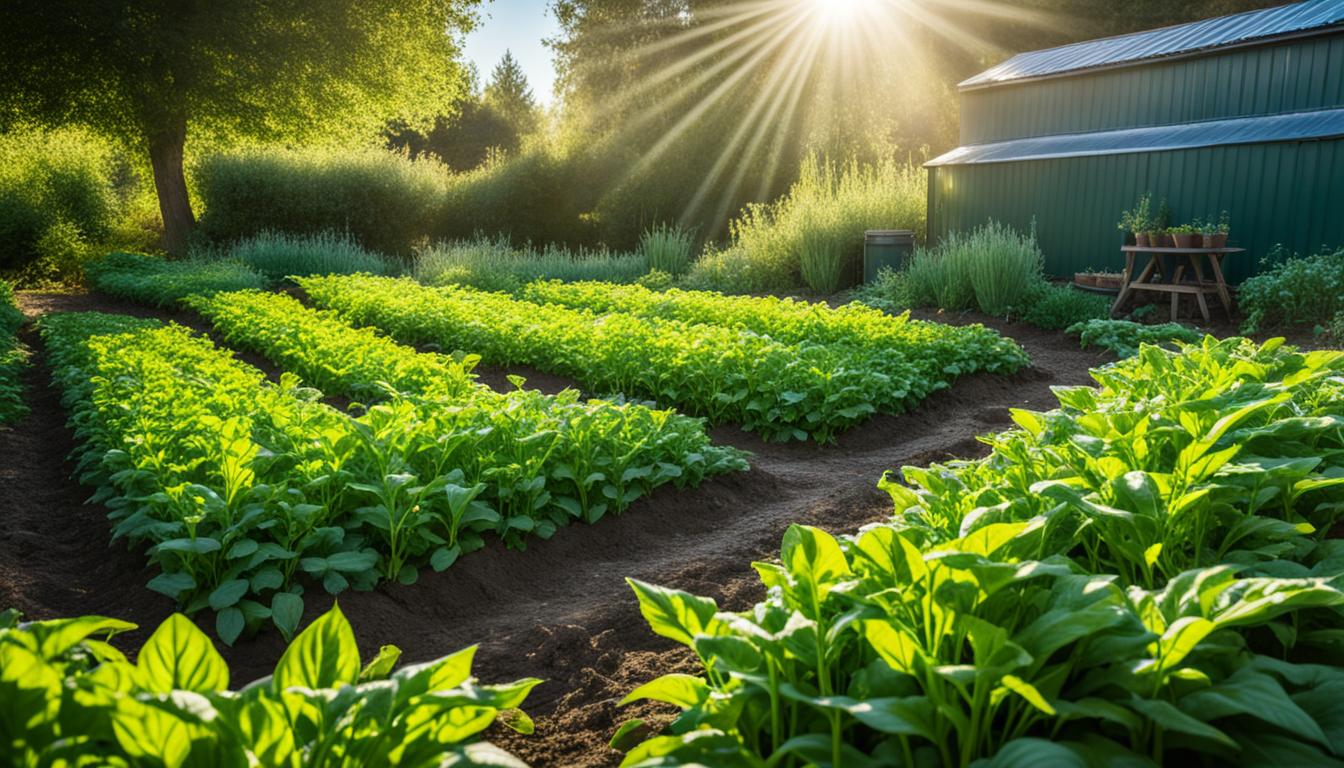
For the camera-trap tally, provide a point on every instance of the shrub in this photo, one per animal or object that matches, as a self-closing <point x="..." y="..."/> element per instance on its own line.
<point x="1056" y="307"/>
<point x="278" y="255"/>
<point x="892" y="291"/>
<point x="824" y="215"/>
<point x="494" y="265"/>
<point x="1294" y="291"/>
<point x="1003" y="264"/>
<point x="1124" y="337"/>
<point x="667" y="248"/>
<point x="385" y="201"/>
<point x="56" y="194"/>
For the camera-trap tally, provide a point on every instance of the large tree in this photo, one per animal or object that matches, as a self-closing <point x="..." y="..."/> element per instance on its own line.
<point x="153" y="72"/>
<point x="509" y="94"/>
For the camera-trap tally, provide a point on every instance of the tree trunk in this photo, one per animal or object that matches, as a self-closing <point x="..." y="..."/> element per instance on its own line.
<point x="165" y="156"/>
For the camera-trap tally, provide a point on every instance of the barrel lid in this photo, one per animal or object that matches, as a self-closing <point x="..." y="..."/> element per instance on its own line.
<point x="900" y="234"/>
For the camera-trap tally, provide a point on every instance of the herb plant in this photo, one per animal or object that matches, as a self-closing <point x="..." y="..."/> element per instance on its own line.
<point x="1123" y="337"/>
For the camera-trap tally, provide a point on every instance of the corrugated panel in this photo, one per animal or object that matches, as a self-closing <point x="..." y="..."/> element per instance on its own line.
<point x="1169" y="41"/>
<point x="1294" y="126"/>
<point x="1287" y="193"/>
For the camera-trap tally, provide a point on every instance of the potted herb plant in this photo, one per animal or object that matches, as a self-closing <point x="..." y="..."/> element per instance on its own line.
<point x="1187" y="236"/>
<point x="1135" y="221"/>
<point x="1215" y="235"/>
<point x="1159" y="237"/>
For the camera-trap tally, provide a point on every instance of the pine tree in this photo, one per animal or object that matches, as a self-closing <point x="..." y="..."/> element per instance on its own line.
<point x="509" y="95"/>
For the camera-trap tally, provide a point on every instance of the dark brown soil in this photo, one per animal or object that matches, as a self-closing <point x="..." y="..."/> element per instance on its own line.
<point x="560" y="610"/>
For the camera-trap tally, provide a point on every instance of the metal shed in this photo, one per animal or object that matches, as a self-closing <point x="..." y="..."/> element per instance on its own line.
<point x="1241" y="113"/>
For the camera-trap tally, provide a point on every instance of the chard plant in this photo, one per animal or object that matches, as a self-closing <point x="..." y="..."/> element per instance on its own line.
<point x="70" y="697"/>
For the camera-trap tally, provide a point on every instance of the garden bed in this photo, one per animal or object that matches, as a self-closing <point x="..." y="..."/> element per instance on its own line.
<point x="559" y="610"/>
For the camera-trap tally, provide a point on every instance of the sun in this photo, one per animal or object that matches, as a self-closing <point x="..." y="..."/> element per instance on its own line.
<point x="840" y="12"/>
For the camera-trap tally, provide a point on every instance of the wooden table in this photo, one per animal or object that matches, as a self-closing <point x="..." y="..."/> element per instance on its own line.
<point x="1175" y="283"/>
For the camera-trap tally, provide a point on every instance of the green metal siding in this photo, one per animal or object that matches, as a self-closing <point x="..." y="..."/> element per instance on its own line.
<point x="1290" y="193"/>
<point x="1283" y="77"/>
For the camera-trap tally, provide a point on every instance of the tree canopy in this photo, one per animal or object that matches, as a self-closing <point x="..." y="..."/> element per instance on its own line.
<point x="151" y="72"/>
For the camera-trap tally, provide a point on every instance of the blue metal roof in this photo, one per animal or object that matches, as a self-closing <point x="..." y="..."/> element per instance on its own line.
<point x="1292" y="126"/>
<point x="1169" y="41"/>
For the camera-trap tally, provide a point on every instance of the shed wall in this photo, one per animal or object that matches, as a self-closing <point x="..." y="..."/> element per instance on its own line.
<point x="1290" y="193"/>
<point x="1306" y="73"/>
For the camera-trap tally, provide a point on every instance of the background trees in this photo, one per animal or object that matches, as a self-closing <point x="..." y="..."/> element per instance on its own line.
<point x="154" y="72"/>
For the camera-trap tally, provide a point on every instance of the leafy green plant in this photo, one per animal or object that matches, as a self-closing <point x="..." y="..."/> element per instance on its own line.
<point x="1293" y="290"/>
<point x="667" y="248"/>
<point x="1139" y="218"/>
<point x="1057" y="307"/>
<point x="278" y="255"/>
<point x="1139" y="577"/>
<point x="162" y="283"/>
<point x="1123" y="337"/>
<point x="68" y="696"/>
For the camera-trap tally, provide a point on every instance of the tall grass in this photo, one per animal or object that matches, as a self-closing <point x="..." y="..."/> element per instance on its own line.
<point x="278" y="255"/>
<point x="813" y="236"/>
<point x="667" y="248"/>
<point x="1004" y="265"/>
<point x="495" y="265"/>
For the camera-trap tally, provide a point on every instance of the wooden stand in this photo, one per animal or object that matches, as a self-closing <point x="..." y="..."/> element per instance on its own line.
<point x="1177" y="285"/>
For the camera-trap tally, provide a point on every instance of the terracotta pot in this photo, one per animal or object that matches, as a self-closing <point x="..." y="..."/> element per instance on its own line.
<point x="1155" y="239"/>
<point x="1189" y="240"/>
<point x="1218" y="240"/>
<point x="1109" y="280"/>
<point x="1084" y="278"/>
<point x="1141" y="239"/>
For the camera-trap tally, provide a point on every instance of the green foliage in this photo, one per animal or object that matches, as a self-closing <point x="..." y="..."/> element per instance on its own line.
<point x="278" y="256"/>
<point x="162" y="283"/>
<point x="822" y="218"/>
<point x="667" y="249"/>
<point x="993" y="267"/>
<point x="382" y="200"/>
<point x="69" y="696"/>
<point x="1294" y="291"/>
<point x="60" y="192"/>
<point x="1140" y="218"/>
<point x="917" y="357"/>
<point x="12" y="357"/>
<point x="1123" y="337"/>
<point x="1056" y="307"/>
<point x="242" y="487"/>
<point x="783" y="391"/>
<point x="1140" y="577"/>
<point x="494" y="265"/>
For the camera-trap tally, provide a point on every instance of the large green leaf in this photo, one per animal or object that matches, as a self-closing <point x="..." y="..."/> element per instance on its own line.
<point x="674" y="614"/>
<point x="178" y="656"/>
<point x="323" y="656"/>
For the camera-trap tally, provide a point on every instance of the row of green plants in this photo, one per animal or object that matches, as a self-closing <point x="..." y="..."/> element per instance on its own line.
<point x="247" y="493"/>
<point x="496" y="265"/>
<point x="553" y="458"/>
<point x="69" y="697"/>
<point x="162" y="283"/>
<point x="1123" y="338"/>
<point x="782" y="391"/>
<point x="12" y="357"/>
<point x="1143" y="576"/>
<point x="919" y="357"/>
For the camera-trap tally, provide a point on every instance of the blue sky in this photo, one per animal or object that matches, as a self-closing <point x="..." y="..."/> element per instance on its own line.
<point x="518" y="26"/>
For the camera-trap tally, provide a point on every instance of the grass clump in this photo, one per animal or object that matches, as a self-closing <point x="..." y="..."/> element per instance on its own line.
<point x="1124" y="337"/>
<point x="1296" y="290"/>
<point x="495" y="265"/>
<point x="162" y="283"/>
<point x="667" y="249"/>
<point x="813" y="236"/>
<point x="278" y="255"/>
